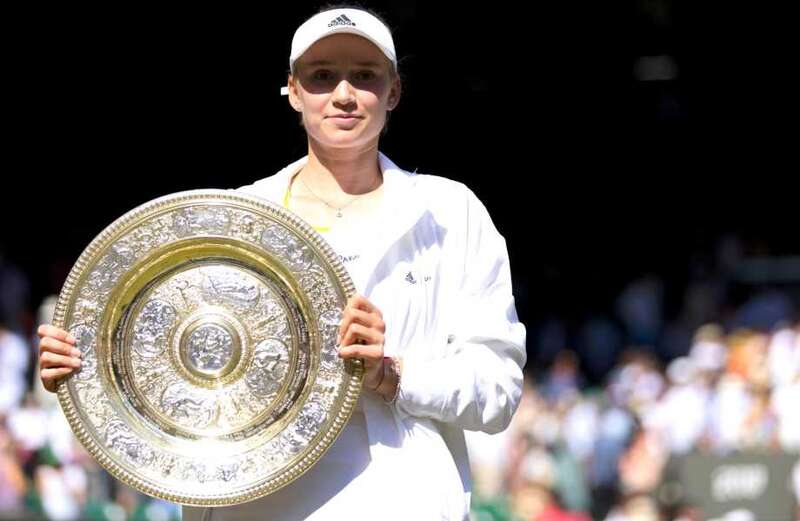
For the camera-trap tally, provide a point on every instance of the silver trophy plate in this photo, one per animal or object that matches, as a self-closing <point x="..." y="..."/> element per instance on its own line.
<point x="208" y="323"/>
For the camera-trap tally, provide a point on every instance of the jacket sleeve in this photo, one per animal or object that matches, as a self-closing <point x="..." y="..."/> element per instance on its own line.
<point x="475" y="380"/>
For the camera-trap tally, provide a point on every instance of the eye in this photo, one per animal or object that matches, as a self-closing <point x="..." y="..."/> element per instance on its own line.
<point x="322" y="75"/>
<point x="365" y="75"/>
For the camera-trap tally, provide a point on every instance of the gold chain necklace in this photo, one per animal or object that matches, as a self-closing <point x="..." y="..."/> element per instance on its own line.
<point x="338" y="210"/>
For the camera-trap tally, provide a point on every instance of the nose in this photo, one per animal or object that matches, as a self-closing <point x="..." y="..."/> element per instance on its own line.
<point x="344" y="93"/>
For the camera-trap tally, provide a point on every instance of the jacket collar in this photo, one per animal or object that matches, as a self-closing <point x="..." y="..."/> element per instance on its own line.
<point x="402" y="209"/>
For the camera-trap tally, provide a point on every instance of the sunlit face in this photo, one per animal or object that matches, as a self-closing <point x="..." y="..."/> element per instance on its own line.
<point x="343" y="85"/>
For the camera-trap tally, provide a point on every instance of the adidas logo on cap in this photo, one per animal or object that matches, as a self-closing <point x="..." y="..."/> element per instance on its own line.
<point x="341" y="20"/>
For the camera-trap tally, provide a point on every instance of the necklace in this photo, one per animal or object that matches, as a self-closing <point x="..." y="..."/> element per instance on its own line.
<point x="338" y="210"/>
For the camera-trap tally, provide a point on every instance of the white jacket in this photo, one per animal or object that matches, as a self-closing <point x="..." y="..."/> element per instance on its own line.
<point x="442" y="281"/>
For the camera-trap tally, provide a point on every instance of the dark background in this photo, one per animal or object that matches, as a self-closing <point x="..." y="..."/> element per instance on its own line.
<point x="609" y="140"/>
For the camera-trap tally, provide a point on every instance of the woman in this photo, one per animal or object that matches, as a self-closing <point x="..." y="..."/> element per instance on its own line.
<point x="433" y="317"/>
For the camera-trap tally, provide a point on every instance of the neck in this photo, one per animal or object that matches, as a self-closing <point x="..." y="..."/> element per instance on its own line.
<point x="341" y="170"/>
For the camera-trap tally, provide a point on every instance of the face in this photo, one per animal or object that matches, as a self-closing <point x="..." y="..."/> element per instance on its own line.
<point x="343" y="85"/>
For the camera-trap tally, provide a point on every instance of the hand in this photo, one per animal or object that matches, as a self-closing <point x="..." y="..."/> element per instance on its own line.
<point x="58" y="356"/>
<point x="361" y="335"/>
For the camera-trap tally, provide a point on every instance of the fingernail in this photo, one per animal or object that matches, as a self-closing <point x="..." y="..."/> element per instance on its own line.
<point x="77" y="352"/>
<point x="77" y="363"/>
<point x="71" y="339"/>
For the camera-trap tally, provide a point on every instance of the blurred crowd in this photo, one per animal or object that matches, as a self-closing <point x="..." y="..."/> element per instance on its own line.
<point x="577" y="453"/>
<point x="705" y="364"/>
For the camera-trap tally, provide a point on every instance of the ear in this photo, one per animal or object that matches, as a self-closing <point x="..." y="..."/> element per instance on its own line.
<point x="294" y="97"/>
<point x="394" y="93"/>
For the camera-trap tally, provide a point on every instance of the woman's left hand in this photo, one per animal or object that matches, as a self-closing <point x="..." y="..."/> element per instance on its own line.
<point x="361" y="335"/>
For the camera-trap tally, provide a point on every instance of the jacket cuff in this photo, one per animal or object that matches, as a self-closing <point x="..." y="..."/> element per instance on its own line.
<point x="417" y="393"/>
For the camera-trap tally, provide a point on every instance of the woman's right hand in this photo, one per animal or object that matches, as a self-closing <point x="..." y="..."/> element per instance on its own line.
<point x="58" y="355"/>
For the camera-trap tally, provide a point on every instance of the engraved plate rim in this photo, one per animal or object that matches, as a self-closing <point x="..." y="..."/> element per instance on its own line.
<point x="94" y="252"/>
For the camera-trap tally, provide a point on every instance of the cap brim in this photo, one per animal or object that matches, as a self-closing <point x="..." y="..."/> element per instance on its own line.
<point x="346" y="30"/>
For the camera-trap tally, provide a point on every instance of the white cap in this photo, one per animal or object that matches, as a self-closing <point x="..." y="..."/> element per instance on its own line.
<point x="352" y="21"/>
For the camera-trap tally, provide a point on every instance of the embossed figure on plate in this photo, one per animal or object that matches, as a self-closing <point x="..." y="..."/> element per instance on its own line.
<point x="210" y="348"/>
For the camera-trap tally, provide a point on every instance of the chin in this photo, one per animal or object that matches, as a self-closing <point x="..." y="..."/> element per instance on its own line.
<point x="341" y="145"/>
<point x="344" y="141"/>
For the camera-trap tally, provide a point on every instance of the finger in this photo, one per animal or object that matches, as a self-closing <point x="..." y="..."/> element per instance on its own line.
<point x="358" y="332"/>
<point x="361" y="302"/>
<point x="49" y="343"/>
<point x="48" y="360"/>
<point x="55" y="332"/>
<point x="55" y="372"/>
<point x="357" y="316"/>
<point x="370" y="353"/>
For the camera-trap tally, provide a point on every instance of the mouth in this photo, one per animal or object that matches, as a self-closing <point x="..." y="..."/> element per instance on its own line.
<point x="344" y="116"/>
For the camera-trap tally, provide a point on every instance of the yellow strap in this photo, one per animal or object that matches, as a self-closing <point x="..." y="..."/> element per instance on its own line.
<point x="321" y="229"/>
<point x="286" y="199"/>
